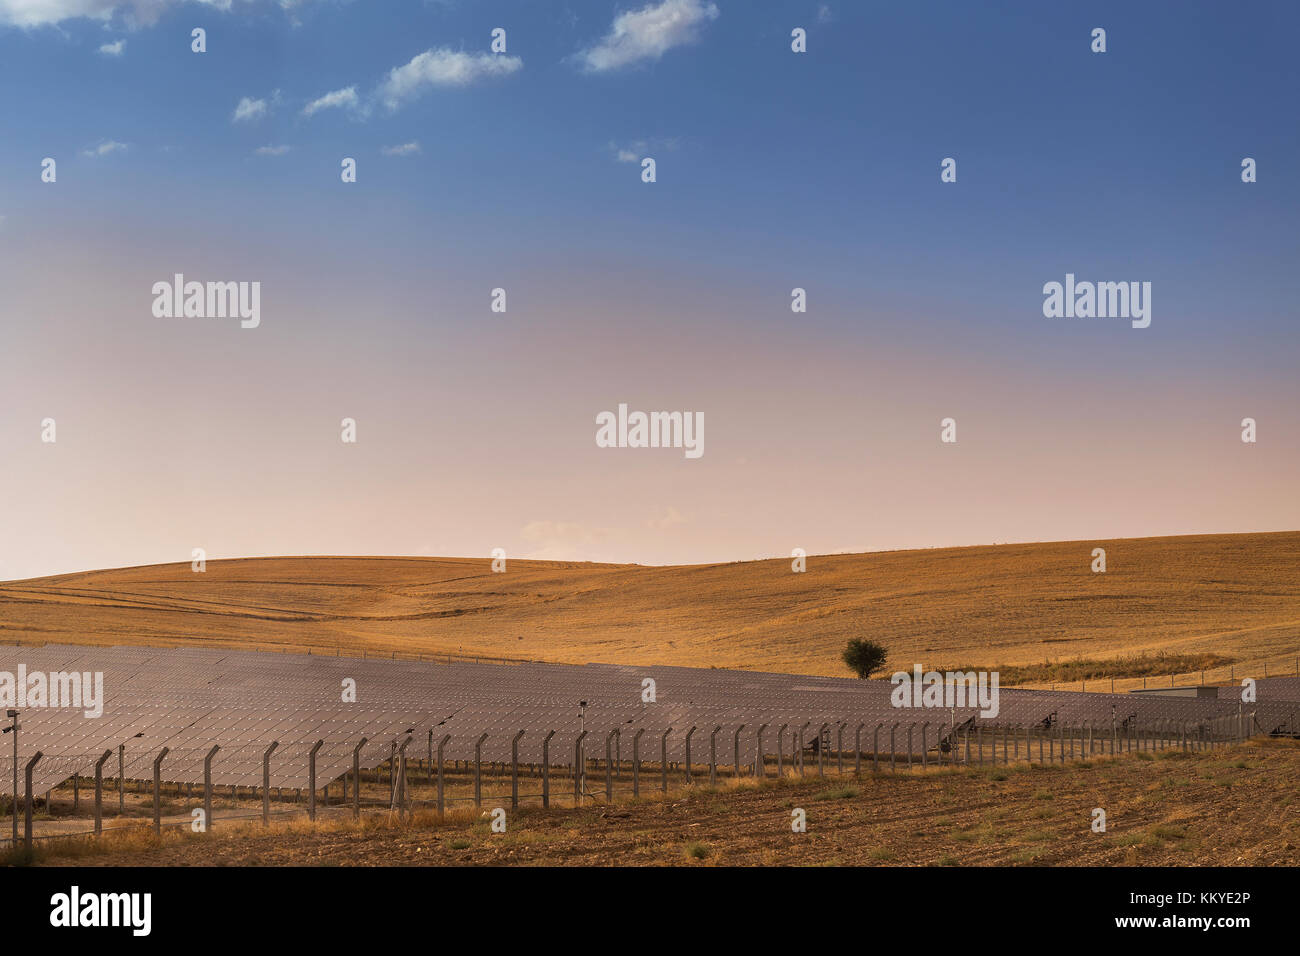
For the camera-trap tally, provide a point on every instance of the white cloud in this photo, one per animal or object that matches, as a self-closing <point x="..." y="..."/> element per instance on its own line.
<point x="671" y="518"/>
<point x="113" y="49"/>
<point x="562" y="540"/>
<point x="442" y="67"/>
<point x="248" y="110"/>
<point x="39" y="13"/>
<point x="633" y="152"/>
<point x="338" y="99"/>
<point x="406" y="149"/>
<point x="271" y="150"/>
<point x="647" y="34"/>
<point x="104" y="148"/>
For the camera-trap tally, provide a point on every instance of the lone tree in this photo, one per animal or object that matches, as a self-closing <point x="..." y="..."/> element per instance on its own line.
<point x="864" y="657"/>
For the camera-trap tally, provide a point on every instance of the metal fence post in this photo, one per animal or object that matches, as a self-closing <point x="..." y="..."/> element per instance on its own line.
<point x="663" y="760"/>
<point x="514" y="771"/>
<point x="266" y="783"/>
<point x="760" y="759"/>
<point x="441" y="804"/>
<point x="875" y="749"/>
<point x="207" y="786"/>
<point x="713" y="757"/>
<point x="839" y="750"/>
<point x="579" y="767"/>
<point x="27" y="798"/>
<point x="311" y="778"/>
<point x="780" y="746"/>
<point x="400" y="795"/>
<point x="121" y="779"/>
<point x="157" y="774"/>
<point x="924" y="746"/>
<point x="857" y="750"/>
<point x="735" y="759"/>
<point x="99" y="793"/>
<point x="478" y="771"/>
<point x="636" y="763"/>
<point x="892" y="749"/>
<point x="910" y="728"/>
<point x="546" y="769"/>
<point x="609" y="768"/>
<point x="688" y="753"/>
<point x="822" y="733"/>
<point x="807" y="724"/>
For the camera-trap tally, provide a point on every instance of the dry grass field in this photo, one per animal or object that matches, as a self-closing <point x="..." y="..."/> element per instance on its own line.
<point x="1236" y="806"/>
<point x="1237" y="596"/>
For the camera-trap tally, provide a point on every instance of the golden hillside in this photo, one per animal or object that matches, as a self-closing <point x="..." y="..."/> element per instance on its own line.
<point x="1233" y="595"/>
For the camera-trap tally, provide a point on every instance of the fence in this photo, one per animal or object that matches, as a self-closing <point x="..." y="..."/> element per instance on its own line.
<point x="597" y="770"/>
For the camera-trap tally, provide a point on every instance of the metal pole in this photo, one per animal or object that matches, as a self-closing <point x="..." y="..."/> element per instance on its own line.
<point x="636" y="763"/>
<point x="760" y="762"/>
<point x="401" y="780"/>
<point x="688" y="753"/>
<point x="121" y="779"/>
<point x="99" y="794"/>
<point x="609" y="768"/>
<point x="546" y="769"/>
<point x="157" y="774"/>
<point x="713" y="757"/>
<point x="663" y="760"/>
<point x="780" y="746"/>
<point x="736" y="752"/>
<point x="311" y="778"/>
<point x="924" y="746"/>
<point x="478" y="771"/>
<point x="822" y="734"/>
<point x="579" y="770"/>
<point x="207" y="786"/>
<point x="266" y="783"/>
<point x="514" y="770"/>
<point x="13" y="729"/>
<point x="27" y="799"/>
<point x="441" y="743"/>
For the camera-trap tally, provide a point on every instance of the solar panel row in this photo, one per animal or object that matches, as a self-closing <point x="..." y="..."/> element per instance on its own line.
<point x="188" y="699"/>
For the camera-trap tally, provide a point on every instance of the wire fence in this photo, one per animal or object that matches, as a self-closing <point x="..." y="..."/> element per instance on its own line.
<point x="403" y="786"/>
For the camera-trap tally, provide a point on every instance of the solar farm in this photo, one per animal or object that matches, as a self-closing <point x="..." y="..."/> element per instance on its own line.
<point x="313" y="734"/>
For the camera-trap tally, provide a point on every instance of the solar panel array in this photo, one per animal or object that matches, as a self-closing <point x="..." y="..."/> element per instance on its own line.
<point x="189" y="699"/>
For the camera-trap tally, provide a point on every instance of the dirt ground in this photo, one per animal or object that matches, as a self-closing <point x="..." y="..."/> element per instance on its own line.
<point x="1235" y="806"/>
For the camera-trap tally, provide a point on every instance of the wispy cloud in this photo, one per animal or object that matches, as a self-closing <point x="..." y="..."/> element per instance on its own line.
<point x="113" y="49"/>
<point x="647" y="34"/>
<point x="249" y="109"/>
<point x="339" y="99"/>
<point x="105" y="148"/>
<point x="39" y="13"/>
<point x="633" y="152"/>
<point x="406" y="149"/>
<point x="442" y="67"/>
<point x="271" y="150"/>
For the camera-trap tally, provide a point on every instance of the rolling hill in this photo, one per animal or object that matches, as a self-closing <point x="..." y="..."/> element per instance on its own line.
<point x="1237" y="596"/>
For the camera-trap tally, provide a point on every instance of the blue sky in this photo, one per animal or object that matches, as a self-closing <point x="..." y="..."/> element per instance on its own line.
<point x="774" y="170"/>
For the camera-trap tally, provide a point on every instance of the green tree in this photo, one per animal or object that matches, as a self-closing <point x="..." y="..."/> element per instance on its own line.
<point x="864" y="657"/>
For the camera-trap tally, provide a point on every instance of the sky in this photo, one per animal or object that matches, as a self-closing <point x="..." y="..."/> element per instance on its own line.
<point x="522" y="170"/>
